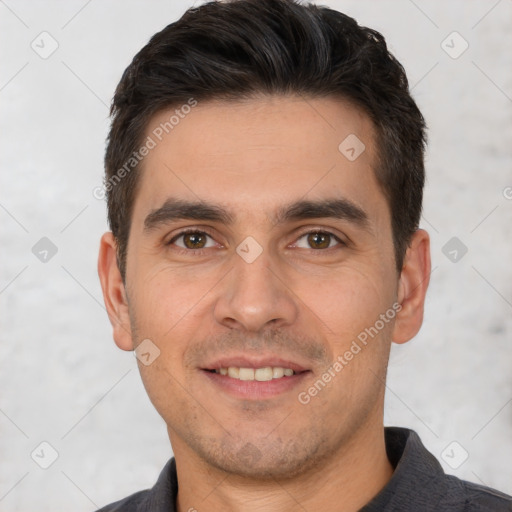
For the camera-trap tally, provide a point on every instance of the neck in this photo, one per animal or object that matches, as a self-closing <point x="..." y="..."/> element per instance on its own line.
<point x="346" y="482"/>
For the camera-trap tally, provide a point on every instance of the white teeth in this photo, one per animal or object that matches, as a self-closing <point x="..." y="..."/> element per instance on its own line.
<point x="246" y="374"/>
<point x="260" y="374"/>
<point x="263" y="374"/>
<point x="233" y="372"/>
<point x="277" y="372"/>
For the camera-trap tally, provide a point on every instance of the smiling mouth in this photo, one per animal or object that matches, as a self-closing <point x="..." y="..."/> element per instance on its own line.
<point x="257" y="382"/>
<point x="263" y="374"/>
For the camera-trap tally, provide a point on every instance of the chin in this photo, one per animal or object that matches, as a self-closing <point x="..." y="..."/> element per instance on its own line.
<point x="265" y="461"/>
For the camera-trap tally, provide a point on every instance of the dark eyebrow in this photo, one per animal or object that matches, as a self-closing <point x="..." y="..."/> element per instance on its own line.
<point x="179" y="209"/>
<point x="338" y="208"/>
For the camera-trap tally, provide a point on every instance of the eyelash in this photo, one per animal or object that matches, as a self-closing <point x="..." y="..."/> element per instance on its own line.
<point x="200" y="252"/>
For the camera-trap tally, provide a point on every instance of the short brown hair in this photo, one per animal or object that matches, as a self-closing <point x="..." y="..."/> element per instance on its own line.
<point x="237" y="49"/>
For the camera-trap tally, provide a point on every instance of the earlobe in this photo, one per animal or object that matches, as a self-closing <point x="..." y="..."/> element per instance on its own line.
<point x="114" y="293"/>
<point x="412" y="287"/>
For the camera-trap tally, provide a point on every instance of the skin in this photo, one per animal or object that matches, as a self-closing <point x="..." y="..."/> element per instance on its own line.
<point x="296" y="299"/>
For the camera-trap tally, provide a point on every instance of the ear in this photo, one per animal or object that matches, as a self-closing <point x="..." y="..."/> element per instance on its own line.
<point x="412" y="287"/>
<point x="114" y="293"/>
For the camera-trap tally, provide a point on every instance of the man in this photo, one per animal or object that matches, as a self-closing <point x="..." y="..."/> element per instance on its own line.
<point x="264" y="177"/>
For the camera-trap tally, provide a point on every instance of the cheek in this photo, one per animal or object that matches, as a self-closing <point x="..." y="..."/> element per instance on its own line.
<point x="167" y="300"/>
<point x="349" y="305"/>
<point x="165" y="387"/>
<point x="170" y="308"/>
<point x="348" y="300"/>
<point x="165" y="306"/>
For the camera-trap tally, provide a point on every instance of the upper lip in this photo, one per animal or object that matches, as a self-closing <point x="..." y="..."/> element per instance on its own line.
<point x="244" y="361"/>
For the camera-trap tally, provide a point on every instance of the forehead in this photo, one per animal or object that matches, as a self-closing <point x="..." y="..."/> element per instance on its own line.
<point x="254" y="155"/>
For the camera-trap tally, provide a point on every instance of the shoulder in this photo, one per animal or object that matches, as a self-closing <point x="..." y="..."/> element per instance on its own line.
<point x="419" y="482"/>
<point x="160" y="498"/>
<point x="133" y="503"/>
<point x="474" y="497"/>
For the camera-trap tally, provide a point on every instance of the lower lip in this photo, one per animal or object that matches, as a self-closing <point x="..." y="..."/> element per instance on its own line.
<point x="254" y="389"/>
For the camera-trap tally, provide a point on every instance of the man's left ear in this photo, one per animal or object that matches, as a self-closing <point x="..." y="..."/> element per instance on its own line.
<point x="412" y="287"/>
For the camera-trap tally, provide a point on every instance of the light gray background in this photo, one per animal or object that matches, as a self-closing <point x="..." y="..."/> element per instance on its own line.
<point x="62" y="379"/>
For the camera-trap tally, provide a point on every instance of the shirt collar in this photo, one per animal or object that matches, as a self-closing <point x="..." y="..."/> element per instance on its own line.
<point x="416" y="471"/>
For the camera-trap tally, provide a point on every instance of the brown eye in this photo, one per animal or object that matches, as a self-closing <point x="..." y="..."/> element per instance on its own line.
<point x="319" y="240"/>
<point x="192" y="240"/>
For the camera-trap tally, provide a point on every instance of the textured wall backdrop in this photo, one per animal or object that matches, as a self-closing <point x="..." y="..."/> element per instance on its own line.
<point x="63" y="381"/>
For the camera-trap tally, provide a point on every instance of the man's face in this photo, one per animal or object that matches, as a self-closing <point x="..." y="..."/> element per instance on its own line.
<point x="270" y="287"/>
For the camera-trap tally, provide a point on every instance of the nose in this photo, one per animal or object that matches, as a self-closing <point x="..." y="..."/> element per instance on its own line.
<point x="255" y="296"/>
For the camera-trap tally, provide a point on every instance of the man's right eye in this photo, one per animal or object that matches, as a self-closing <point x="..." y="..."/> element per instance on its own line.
<point x="192" y="240"/>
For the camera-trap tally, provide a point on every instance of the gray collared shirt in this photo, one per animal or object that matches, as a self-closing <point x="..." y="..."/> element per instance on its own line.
<point x="418" y="484"/>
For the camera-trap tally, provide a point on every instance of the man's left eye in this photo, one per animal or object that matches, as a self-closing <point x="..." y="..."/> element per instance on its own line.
<point x="318" y="240"/>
